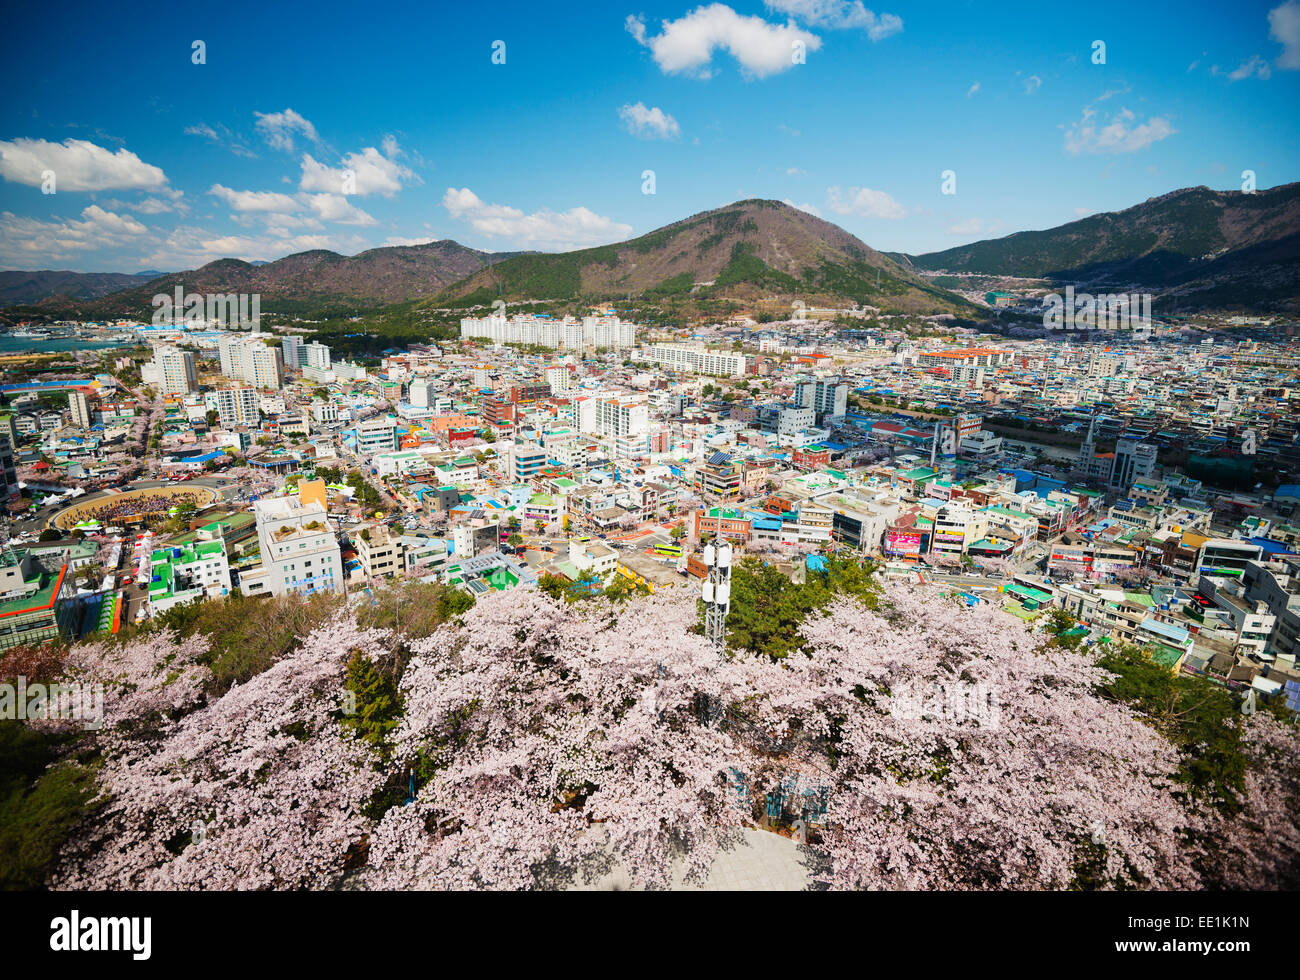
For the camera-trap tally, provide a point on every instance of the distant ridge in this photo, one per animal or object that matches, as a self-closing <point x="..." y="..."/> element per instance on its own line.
<point x="313" y="283"/>
<point x="747" y="250"/>
<point x="39" y="287"/>
<point x="1197" y="246"/>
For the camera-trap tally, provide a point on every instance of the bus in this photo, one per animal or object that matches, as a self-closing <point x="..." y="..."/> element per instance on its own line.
<point x="668" y="550"/>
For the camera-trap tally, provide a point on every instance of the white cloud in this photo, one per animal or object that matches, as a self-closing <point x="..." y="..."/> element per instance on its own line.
<point x="254" y="200"/>
<point x="686" y="45"/>
<point x="794" y="171"/>
<point x="31" y="242"/>
<point x="373" y="173"/>
<point x="811" y="209"/>
<point x="1121" y="133"/>
<point x="649" y="123"/>
<point x="78" y="166"/>
<point x="1253" y="66"/>
<point x="1284" y="28"/>
<point x="1032" y="84"/>
<point x="971" y="226"/>
<point x="864" y="203"/>
<point x="576" y="228"/>
<point x="225" y="138"/>
<point x="276" y="212"/>
<point x="154" y="205"/>
<point x="335" y="207"/>
<point x="397" y="240"/>
<point x="972" y="90"/>
<point x="1082" y="212"/>
<point x="276" y="223"/>
<point x="839" y="15"/>
<point x="279" y="128"/>
<point x="168" y="199"/>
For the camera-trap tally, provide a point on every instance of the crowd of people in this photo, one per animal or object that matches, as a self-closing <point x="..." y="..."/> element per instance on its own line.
<point x="116" y="510"/>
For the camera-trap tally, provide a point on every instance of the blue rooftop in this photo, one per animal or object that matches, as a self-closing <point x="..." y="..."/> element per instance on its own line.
<point x="1167" y="630"/>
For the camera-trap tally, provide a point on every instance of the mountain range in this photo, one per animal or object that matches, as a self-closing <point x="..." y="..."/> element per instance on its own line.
<point x="1197" y="247"/>
<point x="748" y="250"/>
<point x="315" y="283"/>
<point x="48" y="284"/>
<point x="1194" y="248"/>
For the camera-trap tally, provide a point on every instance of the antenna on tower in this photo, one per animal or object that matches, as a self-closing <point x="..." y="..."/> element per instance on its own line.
<point x="717" y="592"/>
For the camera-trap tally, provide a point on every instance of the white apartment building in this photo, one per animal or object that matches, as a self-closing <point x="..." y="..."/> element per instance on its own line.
<point x="247" y="359"/>
<point x="79" y="406"/>
<point x="695" y="360"/>
<point x="291" y="348"/>
<point x="318" y="356"/>
<point x="621" y="420"/>
<point x="175" y="371"/>
<point x="823" y="397"/>
<point x="423" y="394"/>
<point x="559" y="378"/>
<point x="567" y="334"/>
<point x="300" y="552"/>
<point x="791" y="421"/>
<point x="325" y="412"/>
<point x="237" y="406"/>
<point x="376" y="436"/>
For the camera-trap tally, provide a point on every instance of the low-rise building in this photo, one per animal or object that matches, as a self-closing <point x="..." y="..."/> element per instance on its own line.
<point x="33" y="599"/>
<point x="187" y="573"/>
<point x="300" y="551"/>
<point x="379" y="551"/>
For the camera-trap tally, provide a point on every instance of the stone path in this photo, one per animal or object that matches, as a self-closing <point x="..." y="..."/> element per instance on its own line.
<point x="762" y="861"/>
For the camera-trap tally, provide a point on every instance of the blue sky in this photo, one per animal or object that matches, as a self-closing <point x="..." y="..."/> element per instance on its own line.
<point x="162" y="163"/>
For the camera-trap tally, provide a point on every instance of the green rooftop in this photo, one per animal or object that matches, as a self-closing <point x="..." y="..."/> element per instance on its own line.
<point x="46" y="589"/>
<point x="1167" y="657"/>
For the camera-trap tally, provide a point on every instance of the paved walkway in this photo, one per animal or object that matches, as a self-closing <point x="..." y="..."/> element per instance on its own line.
<point x="761" y="862"/>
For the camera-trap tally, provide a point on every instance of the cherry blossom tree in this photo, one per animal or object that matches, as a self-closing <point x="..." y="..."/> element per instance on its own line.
<point x="944" y="559"/>
<point x="572" y="733"/>
<point x="971" y="756"/>
<point x="260" y="789"/>
<point x="534" y="740"/>
<point x="1260" y="848"/>
<point x="997" y="567"/>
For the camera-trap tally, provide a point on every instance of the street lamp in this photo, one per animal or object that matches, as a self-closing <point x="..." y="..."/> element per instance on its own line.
<point x="717" y="594"/>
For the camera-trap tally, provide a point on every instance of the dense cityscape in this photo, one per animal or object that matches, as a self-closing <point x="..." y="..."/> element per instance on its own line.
<point x="1104" y="492"/>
